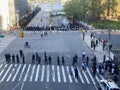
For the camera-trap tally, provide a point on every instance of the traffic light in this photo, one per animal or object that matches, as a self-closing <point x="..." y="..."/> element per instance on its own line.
<point x="21" y="34"/>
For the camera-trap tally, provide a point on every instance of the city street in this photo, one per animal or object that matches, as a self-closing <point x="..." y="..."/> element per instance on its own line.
<point x="29" y="76"/>
<point x="36" y="75"/>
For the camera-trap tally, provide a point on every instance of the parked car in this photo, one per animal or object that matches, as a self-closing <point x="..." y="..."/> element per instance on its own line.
<point x="108" y="85"/>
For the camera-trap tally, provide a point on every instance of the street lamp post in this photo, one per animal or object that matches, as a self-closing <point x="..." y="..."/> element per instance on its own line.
<point x="109" y="44"/>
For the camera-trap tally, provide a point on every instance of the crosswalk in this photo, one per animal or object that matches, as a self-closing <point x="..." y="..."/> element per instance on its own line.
<point x="43" y="73"/>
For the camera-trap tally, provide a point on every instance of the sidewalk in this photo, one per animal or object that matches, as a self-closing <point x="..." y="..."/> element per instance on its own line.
<point x="98" y="50"/>
<point x="99" y="54"/>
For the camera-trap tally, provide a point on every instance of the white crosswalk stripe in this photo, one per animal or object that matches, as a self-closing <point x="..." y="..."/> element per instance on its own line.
<point x="63" y="72"/>
<point x="45" y="73"/>
<point x="58" y="73"/>
<point x="33" y="69"/>
<point x="6" y="73"/>
<point x="70" y="78"/>
<point x="91" y="76"/>
<point x="80" y="76"/>
<point x="10" y="75"/>
<point x="16" y="72"/>
<point x="3" y="69"/>
<point x="74" y="74"/>
<point x="26" y="75"/>
<point x="37" y="73"/>
<point x="22" y="72"/>
<point x="42" y="76"/>
<point x="86" y="77"/>
<point x="53" y="73"/>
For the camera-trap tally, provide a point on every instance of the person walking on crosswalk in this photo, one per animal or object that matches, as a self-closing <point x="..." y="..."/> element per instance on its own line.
<point x="76" y="72"/>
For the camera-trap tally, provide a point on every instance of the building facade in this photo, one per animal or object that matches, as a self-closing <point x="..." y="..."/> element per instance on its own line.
<point x="12" y="19"/>
<point x="4" y="15"/>
<point x="21" y="7"/>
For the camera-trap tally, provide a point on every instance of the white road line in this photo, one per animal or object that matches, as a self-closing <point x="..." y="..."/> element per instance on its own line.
<point x="6" y="73"/>
<point x="58" y="73"/>
<point x="36" y="78"/>
<point x="43" y="69"/>
<point x="100" y="75"/>
<point x="97" y="79"/>
<point x="74" y="74"/>
<point x="11" y="72"/>
<point x="3" y="69"/>
<point x="53" y="73"/>
<point x="80" y="75"/>
<point x="10" y="75"/>
<point x="69" y="74"/>
<point x="47" y="73"/>
<point x="16" y="72"/>
<point x="22" y="86"/>
<point x="91" y="76"/>
<point x="33" y="69"/>
<point x="86" y="77"/>
<point x="1" y="65"/>
<point x="22" y="72"/>
<point x="63" y="72"/>
<point x="25" y="78"/>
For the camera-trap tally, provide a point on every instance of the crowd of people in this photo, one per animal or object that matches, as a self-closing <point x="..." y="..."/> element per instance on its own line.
<point x="47" y="28"/>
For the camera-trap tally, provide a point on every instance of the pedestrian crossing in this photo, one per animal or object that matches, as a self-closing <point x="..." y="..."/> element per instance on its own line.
<point x="43" y="73"/>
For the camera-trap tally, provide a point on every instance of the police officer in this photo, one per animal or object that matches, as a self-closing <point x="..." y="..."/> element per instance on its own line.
<point x="63" y="61"/>
<point x="21" y="53"/>
<point x="17" y="58"/>
<point x="49" y="58"/>
<point x="39" y="60"/>
<point x="23" y="58"/>
<point x="6" y="57"/>
<point x="58" y="60"/>
<point x="45" y="59"/>
<point x="33" y="58"/>
<point x="13" y="58"/>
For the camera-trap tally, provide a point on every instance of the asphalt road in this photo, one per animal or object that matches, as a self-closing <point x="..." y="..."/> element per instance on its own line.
<point x="28" y="76"/>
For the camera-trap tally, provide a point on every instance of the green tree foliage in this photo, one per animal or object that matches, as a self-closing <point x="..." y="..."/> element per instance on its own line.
<point x="96" y="7"/>
<point x="110" y="6"/>
<point x="76" y="9"/>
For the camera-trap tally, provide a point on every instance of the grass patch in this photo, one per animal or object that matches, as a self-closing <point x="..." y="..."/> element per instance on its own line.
<point x="105" y="24"/>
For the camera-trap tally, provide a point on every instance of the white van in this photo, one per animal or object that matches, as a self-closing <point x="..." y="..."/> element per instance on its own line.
<point x="108" y="85"/>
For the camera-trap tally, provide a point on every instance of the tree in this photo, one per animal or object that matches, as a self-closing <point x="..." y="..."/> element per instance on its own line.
<point x="110" y="7"/>
<point x="96" y="8"/>
<point x="76" y="9"/>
